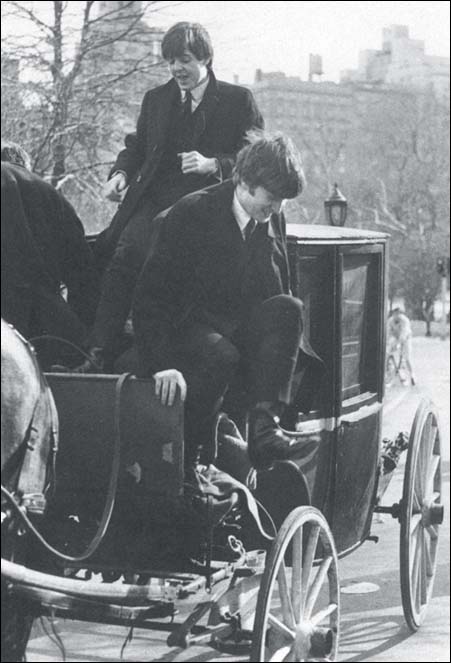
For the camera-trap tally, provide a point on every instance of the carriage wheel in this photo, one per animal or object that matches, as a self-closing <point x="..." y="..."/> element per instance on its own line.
<point x="421" y="514"/>
<point x="298" y="609"/>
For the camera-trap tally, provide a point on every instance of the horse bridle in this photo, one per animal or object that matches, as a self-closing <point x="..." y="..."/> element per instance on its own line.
<point x="20" y="508"/>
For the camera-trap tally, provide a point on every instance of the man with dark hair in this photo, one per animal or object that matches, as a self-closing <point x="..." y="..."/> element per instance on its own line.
<point x="15" y="153"/>
<point x="43" y="249"/>
<point x="188" y="133"/>
<point x="213" y="299"/>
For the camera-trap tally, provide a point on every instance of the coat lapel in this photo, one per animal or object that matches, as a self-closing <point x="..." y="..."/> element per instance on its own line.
<point x="206" y="109"/>
<point x="273" y="270"/>
<point x="164" y="110"/>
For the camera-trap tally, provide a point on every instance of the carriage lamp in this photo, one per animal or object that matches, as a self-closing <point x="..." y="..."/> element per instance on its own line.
<point x="336" y="208"/>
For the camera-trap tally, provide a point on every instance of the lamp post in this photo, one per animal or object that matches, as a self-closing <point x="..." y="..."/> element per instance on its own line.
<point x="336" y="208"/>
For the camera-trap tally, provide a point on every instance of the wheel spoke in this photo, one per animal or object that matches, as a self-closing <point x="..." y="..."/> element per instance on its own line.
<point x="284" y="594"/>
<point x="280" y="633"/>
<point x="436" y="439"/>
<point x="423" y="573"/>
<point x="429" y="564"/>
<point x="414" y="522"/>
<point x="432" y="471"/>
<point x="323" y="614"/>
<point x="316" y="586"/>
<point x="420" y="508"/>
<point x="297" y="596"/>
<point x="309" y="557"/>
<point x="417" y="570"/>
<point x="424" y="455"/>
<point x="280" y="655"/>
<point x="433" y="531"/>
<point x="280" y="627"/>
<point x="416" y="502"/>
<point x="415" y="560"/>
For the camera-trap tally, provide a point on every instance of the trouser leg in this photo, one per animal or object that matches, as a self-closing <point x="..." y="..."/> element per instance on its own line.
<point x="120" y="278"/>
<point x="271" y="346"/>
<point x="407" y="352"/>
<point x="208" y="362"/>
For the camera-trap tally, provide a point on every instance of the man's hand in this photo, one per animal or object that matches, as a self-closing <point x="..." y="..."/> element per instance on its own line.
<point x="193" y="162"/>
<point x="166" y="383"/>
<point x="94" y="364"/>
<point x="115" y="187"/>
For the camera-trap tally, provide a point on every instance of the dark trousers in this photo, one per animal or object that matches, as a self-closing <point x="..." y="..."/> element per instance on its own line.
<point x="121" y="274"/>
<point x="122" y="250"/>
<point x="261" y="353"/>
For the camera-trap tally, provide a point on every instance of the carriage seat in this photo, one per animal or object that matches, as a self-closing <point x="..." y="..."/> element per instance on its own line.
<point x="151" y="434"/>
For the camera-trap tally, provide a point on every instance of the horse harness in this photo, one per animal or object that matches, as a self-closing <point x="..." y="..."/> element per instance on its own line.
<point x="40" y="441"/>
<point x="33" y="472"/>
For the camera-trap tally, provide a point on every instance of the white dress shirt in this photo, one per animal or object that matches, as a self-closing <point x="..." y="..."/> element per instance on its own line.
<point x="242" y="217"/>
<point x="197" y="94"/>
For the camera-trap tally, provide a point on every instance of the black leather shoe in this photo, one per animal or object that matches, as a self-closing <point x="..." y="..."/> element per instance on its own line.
<point x="267" y="441"/>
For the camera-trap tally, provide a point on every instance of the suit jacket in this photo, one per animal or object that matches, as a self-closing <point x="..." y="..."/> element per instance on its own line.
<point x="43" y="245"/>
<point x="225" y="114"/>
<point x="198" y="272"/>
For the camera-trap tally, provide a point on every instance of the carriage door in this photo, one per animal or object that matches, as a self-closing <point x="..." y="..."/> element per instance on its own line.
<point x="360" y="315"/>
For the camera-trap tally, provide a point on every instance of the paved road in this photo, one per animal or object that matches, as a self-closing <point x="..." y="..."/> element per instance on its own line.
<point x="373" y="627"/>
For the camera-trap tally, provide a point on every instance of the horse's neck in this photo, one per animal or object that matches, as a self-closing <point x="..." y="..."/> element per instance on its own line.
<point x="21" y="388"/>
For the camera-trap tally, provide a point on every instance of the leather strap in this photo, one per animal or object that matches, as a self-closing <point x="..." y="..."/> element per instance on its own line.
<point x="111" y="492"/>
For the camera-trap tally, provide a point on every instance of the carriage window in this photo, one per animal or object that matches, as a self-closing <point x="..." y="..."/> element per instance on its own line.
<point x="360" y="326"/>
<point x="312" y="281"/>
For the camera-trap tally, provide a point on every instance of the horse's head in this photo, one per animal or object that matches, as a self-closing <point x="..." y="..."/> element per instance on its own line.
<point x="29" y="420"/>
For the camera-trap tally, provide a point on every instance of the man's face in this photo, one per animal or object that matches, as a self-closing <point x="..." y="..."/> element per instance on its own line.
<point x="258" y="202"/>
<point x="187" y="70"/>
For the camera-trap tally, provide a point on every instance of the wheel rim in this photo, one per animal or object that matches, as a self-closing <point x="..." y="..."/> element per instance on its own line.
<point x="298" y="608"/>
<point x="421" y="515"/>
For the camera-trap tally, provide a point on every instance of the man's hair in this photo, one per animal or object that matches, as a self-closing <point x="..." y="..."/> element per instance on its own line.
<point x="14" y="153"/>
<point x="191" y="36"/>
<point x="271" y="161"/>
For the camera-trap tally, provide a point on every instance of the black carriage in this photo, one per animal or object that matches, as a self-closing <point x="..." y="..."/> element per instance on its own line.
<point x="278" y="599"/>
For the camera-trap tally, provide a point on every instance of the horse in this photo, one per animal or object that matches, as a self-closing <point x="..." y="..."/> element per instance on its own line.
<point x="29" y="429"/>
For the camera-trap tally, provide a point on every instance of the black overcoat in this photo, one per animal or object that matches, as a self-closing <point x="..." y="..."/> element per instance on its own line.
<point x="43" y="246"/>
<point x="224" y="116"/>
<point x="198" y="272"/>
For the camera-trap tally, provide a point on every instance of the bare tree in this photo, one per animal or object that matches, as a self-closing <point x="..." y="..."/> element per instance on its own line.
<point x="74" y="79"/>
<point x="398" y="175"/>
<point x="388" y="148"/>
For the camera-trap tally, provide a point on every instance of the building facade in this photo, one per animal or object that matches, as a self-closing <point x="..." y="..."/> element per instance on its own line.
<point x="402" y="61"/>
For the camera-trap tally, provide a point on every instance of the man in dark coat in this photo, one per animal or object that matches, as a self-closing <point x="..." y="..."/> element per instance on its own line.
<point x="188" y="133"/>
<point x="214" y="299"/>
<point x="43" y="250"/>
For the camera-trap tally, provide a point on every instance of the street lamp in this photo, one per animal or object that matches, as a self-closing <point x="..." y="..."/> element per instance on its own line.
<point x="336" y="208"/>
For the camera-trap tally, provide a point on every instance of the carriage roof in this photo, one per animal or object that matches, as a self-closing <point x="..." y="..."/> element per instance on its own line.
<point x="322" y="234"/>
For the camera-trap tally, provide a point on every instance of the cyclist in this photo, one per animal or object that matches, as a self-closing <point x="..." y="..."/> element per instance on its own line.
<point x="400" y="334"/>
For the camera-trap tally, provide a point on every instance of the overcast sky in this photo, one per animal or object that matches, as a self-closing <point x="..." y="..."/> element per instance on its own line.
<point x="280" y="35"/>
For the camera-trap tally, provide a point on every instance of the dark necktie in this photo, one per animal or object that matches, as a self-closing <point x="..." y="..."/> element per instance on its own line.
<point x="187" y="105"/>
<point x="249" y="229"/>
